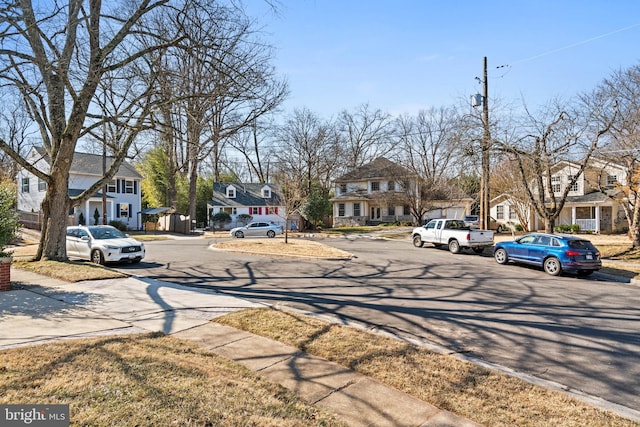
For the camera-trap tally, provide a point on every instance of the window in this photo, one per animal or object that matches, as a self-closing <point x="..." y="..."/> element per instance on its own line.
<point x="340" y="209"/>
<point x="231" y="193"/>
<point x="555" y="184"/>
<point x="612" y="179"/>
<point x="391" y="186"/>
<point x="512" y="213"/>
<point x="391" y="210"/>
<point x="112" y="186"/>
<point x="271" y="210"/>
<point x="266" y="193"/>
<point x="356" y="209"/>
<point x="375" y="186"/>
<point x="42" y="185"/>
<point x="343" y="188"/>
<point x="255" y="211"/>
<point x="574" y="187"/>
<point x="123" y="210"/>
<point x="500" y="212"/>
<point x="129" y="187"/>
<point x="406" y="210"/>
<point x="25" y="185"/>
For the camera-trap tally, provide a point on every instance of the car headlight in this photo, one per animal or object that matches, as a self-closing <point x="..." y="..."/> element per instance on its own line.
<point x="112" y="247"/>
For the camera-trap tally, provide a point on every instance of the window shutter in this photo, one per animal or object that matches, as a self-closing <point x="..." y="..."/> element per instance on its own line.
<point x="276" y="210"/>
<point x="130" y="209"/>
<point x="260" y="211"/>
<point x="135" y="187"/>
<point x="117" y="210"/>
<point x="118" y="186"/>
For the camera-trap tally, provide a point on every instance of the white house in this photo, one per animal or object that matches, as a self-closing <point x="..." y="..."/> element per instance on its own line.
<point x="259" y="202"/>
<point x="123" y="198"/>
<point x="377" y="193"/>
<point x="586" y="204"/>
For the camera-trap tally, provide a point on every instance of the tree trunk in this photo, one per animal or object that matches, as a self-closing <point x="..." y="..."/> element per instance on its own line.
<point x="57" y="205"/>
<point x="634" y="228"/>
<point x="549" y="224"/>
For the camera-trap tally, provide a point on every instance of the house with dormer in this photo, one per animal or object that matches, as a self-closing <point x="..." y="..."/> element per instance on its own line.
<point x="246" y="202"/>
<point x="591" y="202"/>
<point x="123" y="197"/>
<point x="378" y="192"/>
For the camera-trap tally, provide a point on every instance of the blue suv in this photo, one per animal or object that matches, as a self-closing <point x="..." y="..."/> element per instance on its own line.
<point x="555" y="253"/>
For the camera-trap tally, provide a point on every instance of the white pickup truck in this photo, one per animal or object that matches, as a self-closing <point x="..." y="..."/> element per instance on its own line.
<point x="453" y="233"/>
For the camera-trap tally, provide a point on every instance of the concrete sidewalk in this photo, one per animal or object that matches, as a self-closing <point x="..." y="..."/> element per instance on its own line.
<point x="42" y="309"/>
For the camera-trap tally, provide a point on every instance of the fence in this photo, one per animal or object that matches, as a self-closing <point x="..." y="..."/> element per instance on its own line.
<point x="34" y="220"/>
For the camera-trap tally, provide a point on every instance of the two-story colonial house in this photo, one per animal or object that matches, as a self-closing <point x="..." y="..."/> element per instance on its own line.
<point x="123" y="198"/>
<point x="260" y="202"/>
<point x="586" y="205"/>
<point x="377" y="192"/>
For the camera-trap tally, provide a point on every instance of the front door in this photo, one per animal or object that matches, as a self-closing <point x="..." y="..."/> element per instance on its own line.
<point x="375" y="214"/>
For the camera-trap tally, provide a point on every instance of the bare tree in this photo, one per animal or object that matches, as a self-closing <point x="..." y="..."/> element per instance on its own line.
<point x="308" y="147"/>
<point x="622" y="91"/>
<point x="16" y="131"/>
<point x="55" y="56"/>
<point x="365" y="135"/>
<point x="431" y="145"/>
<point x="556" y="136"/>
<point x="218" y="82"/>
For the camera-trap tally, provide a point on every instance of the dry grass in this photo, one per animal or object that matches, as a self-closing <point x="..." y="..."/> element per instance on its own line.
<point x="149" y="380"/>
<point x="294" y="247"/>
<point x="482" y="395"/>
<point x="70" y="271"/>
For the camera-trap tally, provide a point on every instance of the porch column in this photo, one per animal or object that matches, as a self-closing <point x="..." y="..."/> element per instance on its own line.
<point x="573" y="215"/>
<point x="87" y="214"/>
<point x="598" y="219"/>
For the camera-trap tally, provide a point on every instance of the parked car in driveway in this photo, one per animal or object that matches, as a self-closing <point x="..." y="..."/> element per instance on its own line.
<point x="256" y="229"/>
<point x="473" y="222"/>
<point x="553" y="252"/>
<point x="102" y="244"/>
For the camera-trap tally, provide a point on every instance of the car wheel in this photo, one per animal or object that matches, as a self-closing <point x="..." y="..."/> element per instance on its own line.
<point x="501" y="256"/>
<point x="417" y="241"/>
<point x="239" y="235"/>
<point x="97" y="257"/>
<point x="454" y="246"/>
<point x="552" y="266"/>
<point x="271" y="234"/>
<point x="478" y="250"/>
<point x="499" y="229"/>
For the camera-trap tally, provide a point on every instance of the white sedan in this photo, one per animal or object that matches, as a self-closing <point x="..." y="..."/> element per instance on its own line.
<point x="103" y="243"/>
<point x="257" y="229"/>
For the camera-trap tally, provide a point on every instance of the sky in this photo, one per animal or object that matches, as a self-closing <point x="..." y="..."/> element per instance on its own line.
<point x="405" y="55"/>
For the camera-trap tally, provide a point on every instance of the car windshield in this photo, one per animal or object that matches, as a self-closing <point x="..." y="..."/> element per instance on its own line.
<point x="102" y="233"/>
<point x="581" y="244"/>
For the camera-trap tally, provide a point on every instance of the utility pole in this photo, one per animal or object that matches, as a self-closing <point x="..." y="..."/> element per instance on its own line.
<point x="485" y="147"/>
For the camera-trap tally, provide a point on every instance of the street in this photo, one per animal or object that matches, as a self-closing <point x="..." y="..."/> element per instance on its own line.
<point x="582" y="333"/>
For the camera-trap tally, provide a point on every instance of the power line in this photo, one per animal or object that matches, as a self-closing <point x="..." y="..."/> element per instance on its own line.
<point x="580" y="43"/>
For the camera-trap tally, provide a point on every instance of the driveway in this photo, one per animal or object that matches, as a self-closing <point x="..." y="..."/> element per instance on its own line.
<point x="581" y="333"/>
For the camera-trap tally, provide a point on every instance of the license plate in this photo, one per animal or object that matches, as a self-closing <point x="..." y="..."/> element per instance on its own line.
<point x="589" y="256"/>
<point x="132" y="256"/>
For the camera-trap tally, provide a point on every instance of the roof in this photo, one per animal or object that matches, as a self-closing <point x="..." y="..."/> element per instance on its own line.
<point x="73" y="192"/>
<point x="91" y="164"/>
<point x="154" y="211"/>
<point x="246" y="195"/>
<point x="380" y="168"/>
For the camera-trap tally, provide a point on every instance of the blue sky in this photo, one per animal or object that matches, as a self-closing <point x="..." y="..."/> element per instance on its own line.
<point x="401" y="55"/>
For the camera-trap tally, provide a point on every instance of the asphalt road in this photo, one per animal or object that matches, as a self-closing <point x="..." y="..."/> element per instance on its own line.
<point x="582" y="333"/>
